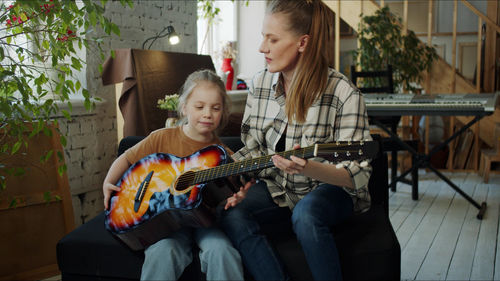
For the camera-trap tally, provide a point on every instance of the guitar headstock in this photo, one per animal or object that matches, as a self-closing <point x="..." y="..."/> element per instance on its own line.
<point x="347" y="150"/>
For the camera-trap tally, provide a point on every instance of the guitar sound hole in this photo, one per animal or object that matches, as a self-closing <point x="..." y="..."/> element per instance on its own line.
<point x="184" y="181"/>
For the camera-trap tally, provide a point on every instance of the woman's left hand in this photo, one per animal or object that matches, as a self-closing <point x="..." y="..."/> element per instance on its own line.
<point x="295" y="165"/>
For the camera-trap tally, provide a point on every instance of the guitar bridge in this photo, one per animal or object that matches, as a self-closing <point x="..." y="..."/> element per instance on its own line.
<point x="141" y="191"/>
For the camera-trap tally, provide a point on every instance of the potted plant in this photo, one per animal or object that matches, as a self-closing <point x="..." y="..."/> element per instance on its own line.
<point x="40" y="46"/>
<point x="170" y="103"/>
<point x="382" y="43"/>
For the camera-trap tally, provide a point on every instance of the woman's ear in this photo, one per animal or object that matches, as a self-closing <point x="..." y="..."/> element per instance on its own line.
<point x="303" y="40"/>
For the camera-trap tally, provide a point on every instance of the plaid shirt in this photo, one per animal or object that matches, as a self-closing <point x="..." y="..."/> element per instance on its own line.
<point x="338" y="114"/>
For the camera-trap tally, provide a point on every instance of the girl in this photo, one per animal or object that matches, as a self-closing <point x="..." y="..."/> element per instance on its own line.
<point x="203" y="108"/>
<point x="299" y="101"/>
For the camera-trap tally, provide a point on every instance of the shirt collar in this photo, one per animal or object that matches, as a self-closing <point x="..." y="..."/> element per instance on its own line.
<point x="277" y="85"/>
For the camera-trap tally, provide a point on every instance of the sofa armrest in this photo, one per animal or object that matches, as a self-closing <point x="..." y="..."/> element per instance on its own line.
<point x="128" y="142"/>
<point x="378" y="187"/>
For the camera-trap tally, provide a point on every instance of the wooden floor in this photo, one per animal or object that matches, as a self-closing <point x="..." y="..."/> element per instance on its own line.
<point x="440" y="236"/>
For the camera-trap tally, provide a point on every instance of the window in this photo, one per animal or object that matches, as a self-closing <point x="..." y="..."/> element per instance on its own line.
<point x="212" y="37"/>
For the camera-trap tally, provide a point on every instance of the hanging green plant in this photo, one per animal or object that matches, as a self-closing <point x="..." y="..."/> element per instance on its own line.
<point x="39" y="59"/>
<point x="381" y="42"/>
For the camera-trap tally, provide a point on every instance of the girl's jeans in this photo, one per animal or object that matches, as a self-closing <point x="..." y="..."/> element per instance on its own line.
<point x="167" y="258"/>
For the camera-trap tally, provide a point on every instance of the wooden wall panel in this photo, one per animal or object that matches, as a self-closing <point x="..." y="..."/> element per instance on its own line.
<point x="42" y="215"/>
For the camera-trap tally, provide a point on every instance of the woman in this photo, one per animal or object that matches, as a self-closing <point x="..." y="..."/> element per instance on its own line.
<point x="299" y="101"/>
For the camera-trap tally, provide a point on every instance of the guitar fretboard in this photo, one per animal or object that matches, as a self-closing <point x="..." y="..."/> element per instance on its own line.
<point x="248" y="165"/>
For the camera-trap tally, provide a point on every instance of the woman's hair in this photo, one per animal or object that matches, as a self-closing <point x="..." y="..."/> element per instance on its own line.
<point x="315" y="18"/>
<point x="192" y="81"/>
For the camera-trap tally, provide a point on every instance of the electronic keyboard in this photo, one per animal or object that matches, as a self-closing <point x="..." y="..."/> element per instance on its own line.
<point x="435" y="104"/>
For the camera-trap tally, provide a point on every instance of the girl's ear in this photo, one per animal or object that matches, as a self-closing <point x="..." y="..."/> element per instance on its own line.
<point x="303" y="40"/>
<point x="184" y="110"/>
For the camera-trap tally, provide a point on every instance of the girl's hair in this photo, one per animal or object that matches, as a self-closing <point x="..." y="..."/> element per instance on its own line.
<point x="193" y="80"/>
<point x="315" y="18"/>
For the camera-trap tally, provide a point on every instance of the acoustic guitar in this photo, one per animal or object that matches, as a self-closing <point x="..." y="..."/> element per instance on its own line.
<point x="162" y="192"/>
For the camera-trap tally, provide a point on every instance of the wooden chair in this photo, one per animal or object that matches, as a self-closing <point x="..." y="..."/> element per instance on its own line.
<point x="391" y="122"/>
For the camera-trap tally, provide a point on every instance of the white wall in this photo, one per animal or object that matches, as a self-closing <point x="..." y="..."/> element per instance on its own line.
<point x="249" y="37"/>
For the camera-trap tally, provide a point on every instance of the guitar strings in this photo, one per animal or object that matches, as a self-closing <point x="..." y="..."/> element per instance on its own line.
<point x="236" y="167"/>
<point x="187" y="180"/>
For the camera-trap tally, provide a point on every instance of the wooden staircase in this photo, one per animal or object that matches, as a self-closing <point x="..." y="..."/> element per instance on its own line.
<point x="442" y="79"/>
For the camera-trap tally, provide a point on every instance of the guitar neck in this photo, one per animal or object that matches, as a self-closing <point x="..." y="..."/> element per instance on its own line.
<point x="250" y="165"/>
<point x="338" y="151"/>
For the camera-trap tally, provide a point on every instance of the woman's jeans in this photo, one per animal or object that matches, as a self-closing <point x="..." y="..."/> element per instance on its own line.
<point x="311" y="218"/>
<point x="167" y="258"/>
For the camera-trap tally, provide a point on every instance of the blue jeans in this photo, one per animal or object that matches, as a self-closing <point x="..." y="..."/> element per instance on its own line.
<point x="311" y="218"/>
<point x="167" y="258"/>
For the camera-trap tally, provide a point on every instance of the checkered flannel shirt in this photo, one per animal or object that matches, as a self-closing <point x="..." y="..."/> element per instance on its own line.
<point x="339" y="114"/>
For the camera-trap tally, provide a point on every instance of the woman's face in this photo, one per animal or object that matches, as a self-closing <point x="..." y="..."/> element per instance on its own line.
<point x="281" y="46"/>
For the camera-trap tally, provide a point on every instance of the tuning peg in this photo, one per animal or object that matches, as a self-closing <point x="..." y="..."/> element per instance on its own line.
<point x="360" y="152"/>
<point x="349" y="142"/>
<point x="337" y="143"/>
<point x="348" y="153"/>
<point x="336" y="154"/>
<point x="363" y="164"/>
<point x="361" y="142"/>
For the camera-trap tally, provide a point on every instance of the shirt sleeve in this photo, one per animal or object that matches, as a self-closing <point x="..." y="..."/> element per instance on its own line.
<point x="250" y="144"/>
<point x="141" y="149"/>
<point x="351" y="124"/>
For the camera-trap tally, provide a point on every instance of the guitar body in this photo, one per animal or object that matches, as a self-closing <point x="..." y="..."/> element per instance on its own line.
<point x="161" y="209"/>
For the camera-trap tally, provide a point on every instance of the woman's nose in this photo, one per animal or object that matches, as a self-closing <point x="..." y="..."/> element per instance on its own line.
<point x="263" y="48"/>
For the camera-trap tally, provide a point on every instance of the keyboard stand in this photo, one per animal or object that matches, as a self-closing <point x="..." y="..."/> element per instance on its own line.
<point x="423" y="161"/>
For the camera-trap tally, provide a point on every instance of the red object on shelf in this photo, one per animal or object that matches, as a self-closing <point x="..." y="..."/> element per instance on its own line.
<point x="227" y="67"/>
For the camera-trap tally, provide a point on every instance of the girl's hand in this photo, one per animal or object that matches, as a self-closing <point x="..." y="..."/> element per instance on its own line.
<point x="239" y="196"/>
<point x="295" y="165"/>
<point x="107" y="189"/>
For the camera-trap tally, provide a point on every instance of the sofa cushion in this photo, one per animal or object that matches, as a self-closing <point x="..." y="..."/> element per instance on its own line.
<point x="92" y="250"/>
<point x="367" y="244"/>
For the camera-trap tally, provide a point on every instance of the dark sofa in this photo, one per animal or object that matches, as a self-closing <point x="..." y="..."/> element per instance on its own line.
<point x="367" y="244"/>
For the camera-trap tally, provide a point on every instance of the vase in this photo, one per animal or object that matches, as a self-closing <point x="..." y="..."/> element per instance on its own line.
<point x="227" y="68"/>
<point x="172" y="119"/>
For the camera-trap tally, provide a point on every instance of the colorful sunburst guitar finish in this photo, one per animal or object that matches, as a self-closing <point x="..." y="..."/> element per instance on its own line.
<point x="162" y="192"/>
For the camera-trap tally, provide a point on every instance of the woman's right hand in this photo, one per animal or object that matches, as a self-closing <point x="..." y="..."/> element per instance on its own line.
<point x="107" y="189"/>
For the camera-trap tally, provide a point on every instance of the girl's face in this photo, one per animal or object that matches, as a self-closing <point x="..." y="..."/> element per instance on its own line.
<point x="281" y="46"/>
<point x="203" y="110"/>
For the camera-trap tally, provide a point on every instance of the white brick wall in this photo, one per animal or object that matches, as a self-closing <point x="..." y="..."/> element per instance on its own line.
<point x="92" y="137"/>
